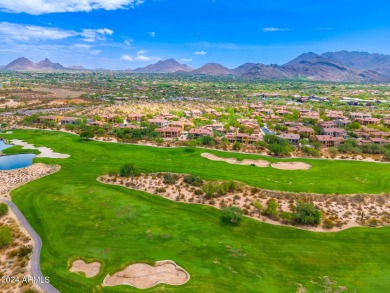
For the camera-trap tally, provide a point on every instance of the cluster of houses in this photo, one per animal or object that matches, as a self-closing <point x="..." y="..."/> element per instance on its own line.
<point x="329" y="131"/>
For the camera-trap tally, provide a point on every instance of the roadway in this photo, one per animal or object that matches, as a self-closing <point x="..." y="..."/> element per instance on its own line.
<point x="35" y="259"/>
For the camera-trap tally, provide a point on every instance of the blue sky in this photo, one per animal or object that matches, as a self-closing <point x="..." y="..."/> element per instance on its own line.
<point x="119" y="34"/>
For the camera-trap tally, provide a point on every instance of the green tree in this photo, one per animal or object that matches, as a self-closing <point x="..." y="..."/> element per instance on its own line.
<point x="127" y="170"/>
<point x="3" y="209"/>
<point x="272" y="209"/>
<point x="236" y="146"/>
<point x="306" y="213"/>
<point x="86" y="135"/>
<point x="5" y="236"/>
<point x="232" y="215"/>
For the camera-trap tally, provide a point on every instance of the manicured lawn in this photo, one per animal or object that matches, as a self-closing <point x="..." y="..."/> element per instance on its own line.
<point x="76" y="215"/>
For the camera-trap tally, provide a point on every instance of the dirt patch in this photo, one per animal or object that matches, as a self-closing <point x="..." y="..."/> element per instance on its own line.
<point x="291" y="166"/>
<point x="339" y="211"/>
<point x="45" y="152"/>
<point x="89" y="269"/>
<point x="143" y="276"/>
<point x="257" y="163"/>
<point x="12" y="179"/>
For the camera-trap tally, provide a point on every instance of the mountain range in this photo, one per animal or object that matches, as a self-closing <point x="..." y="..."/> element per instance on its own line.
<point x="24" y="64"/>
<point x="343" y="66"/>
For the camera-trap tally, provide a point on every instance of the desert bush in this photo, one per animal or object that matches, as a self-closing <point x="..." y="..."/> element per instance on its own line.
<point x="5" y="236"/>
<point x="198" y="192"/>
<point x="127" y="170"/>
<point x="272" y="209"/>
<point x="232" y="215"/>
<point x="193" y="180"/>
<point x="170" y="178"/>
<point x="3" y="209"/>
<point x="287" y="217"/>
<point x="306" y="213"/>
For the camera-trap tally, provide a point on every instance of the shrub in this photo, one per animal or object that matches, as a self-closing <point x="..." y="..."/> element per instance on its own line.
<point x="236" y="146"/>
<point x="259" y="206"/>
<point x="232" y="215"/>
<point x="328" y="224"/>
<point x="170" y="178"/>
<point x="127" y="170"/>
<point x="306" y="213"/>
<point x="86" y="135"/>
<point x="193" y="180"/>
<point x="198" y="192"/>
<point x="5" y="236"/>
<point x="272" y="209"/>
<point x="287" y="217"/>
<point x="3" y="209"/>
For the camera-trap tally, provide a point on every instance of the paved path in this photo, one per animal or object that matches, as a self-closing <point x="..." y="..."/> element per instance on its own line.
<point x="35" y="265"/>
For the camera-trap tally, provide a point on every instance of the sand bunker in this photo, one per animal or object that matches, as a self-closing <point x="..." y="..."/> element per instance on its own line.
<point x="143" y="276"/>
<point x="89" y="269"/>
<point x="45" y="152"/>
<point x="291" y="166"/>
<point x="258" y="163"/>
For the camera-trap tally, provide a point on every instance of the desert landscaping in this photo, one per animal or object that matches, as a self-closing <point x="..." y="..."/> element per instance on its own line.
<point x="12" y="179"/>
<point x="339" y="212"/>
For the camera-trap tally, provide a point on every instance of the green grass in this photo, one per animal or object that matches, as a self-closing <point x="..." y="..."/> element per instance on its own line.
<point x="77" y="216"/>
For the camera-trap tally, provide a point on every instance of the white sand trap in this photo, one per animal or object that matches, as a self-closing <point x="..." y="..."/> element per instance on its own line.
<point x="143" y="276"/>
<point x="89" y="269"/>
<point x="45" y="152"/>
<point x="291" y="166"/>
<point x="258" y="163"/>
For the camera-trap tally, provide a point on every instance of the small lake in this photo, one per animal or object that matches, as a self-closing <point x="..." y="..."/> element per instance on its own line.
<point x="16" y="161"/>
<point x="4" y="146"/>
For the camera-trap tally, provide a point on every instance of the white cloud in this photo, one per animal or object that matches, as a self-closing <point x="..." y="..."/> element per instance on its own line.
<point x="274" y="29"/>
<point x="37" y="7"/>
<point x="31" y="32"/>
<point x="142" y="52"/>
<point x="93" y="35"/>
<point x="143" y="58"/>
<point x="23" y="32"/>
<point x="126" y="58"/>
<point x="85" y="48"/>
<point x="186" y="59"/>
<point x="128" y="42"/>
<point x="200" y="53"/>
<point x="152" y="34"/>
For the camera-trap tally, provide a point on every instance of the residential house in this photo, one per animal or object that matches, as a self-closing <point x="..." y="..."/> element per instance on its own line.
<point x="69" y="120"/>
<point x="158" y="122"/>
<point x="169" y="132"/>
<point x="329" y="141"/>
<point x="292" y="138"/>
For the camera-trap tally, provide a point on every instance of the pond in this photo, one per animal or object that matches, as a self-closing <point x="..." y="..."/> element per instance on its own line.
<point x="16" y="161"/>
<point x="4" y="146"/>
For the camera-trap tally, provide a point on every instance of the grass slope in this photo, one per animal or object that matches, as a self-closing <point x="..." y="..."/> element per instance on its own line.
<point x="76" y="215"/>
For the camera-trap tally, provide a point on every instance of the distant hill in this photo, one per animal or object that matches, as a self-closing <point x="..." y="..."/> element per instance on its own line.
<point x="340" y="66"/>
<point x="164" y="66"/>
<point x="75" y="67"/>
<point x="46" y="63"/>
<point x="262" y="71"/>
<point x="303" y="57"/>
<point x="213" y="69"/>
<point x="320" y="68"/>
<point x="24" y="64"/>
<point x="362" y="60"/>
<point x="244" y="68"/>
